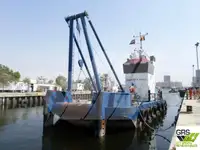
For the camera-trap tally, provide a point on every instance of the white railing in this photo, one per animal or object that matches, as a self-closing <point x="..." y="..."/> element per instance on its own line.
<point x="17" y="94"/>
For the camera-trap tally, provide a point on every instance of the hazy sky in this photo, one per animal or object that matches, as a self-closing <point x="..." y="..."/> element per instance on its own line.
<point x="34" y="35"/>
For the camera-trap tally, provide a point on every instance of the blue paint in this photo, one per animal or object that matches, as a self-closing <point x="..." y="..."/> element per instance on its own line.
<point x="77" y="16"/>
<point x="70" y="57"/>
<point x="57" y="96"/>
<point x="51" y="101"/>
<point x="70" y="20"/>
<point x="120" y="102"/>
<point x="68" y="97"/>
<point x="78" y="26"/>
<point x="111" y="99"/>
<point x="133" y="116"/>
<point x="91" y="54"/>
<point x="113" y="102"/>
<point x="121" y="113"/>
<point x="93" y="109"/>
<point x="120" y="99"/>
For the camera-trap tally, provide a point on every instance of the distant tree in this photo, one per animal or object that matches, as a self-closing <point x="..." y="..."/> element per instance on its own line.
<point x="7" y="75"/>
<point x="16" y="76"/>
<point x="61" y="81"/>
<point x="4" y="79"/>
<point x="105" y="81"/>
<point x="50" y="82"/>
<point x="102" y="81"/>
<point x="87" y="84"/>
<point x="27" y="81"/>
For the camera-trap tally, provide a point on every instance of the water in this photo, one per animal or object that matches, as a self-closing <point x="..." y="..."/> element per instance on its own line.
<point x="22" y="129"/>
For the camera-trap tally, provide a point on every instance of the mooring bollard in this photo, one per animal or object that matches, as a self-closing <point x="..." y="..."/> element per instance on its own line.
<point x="189" y="109"/>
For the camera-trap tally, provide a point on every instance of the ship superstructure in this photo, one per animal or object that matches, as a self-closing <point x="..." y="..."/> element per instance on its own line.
<point x="139" y="72"/>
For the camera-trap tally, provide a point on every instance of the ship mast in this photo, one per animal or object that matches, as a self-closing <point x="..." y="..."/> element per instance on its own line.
<point x="141" y="38"/>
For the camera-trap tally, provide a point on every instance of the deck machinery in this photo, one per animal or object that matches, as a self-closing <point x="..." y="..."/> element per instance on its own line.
<point x="105" y="106"/>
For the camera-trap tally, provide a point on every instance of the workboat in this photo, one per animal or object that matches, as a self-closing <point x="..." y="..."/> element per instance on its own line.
<point x="173" y="90"/>
<point x="136" y="99"/>
<point x="139" y="74"/>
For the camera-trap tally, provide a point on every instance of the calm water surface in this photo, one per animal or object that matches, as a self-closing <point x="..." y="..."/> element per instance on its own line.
<point x="21" y="129"/>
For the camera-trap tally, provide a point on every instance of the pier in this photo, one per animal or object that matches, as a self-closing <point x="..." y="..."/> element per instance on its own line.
<point x="187" y="119"/>
<point x="31" y="99"/>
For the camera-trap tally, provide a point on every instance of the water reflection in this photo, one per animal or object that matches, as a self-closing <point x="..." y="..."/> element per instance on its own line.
<point x="11" y="116"/>
<point x="65" y="136"/>
<point x="76" y="140"/>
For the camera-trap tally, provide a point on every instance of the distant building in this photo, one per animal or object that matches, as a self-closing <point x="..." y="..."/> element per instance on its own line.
<point x="196" y="79"/>
<point x="168" y="83"/>
<point x="19" y="86"/>
<point x="77" y="87"/>
<point x="176" y="84"/>
<point x="163" y="84"/>
<point x="41" y="87"/>
<point x="32" y="87"/>
<point x="44" y="87"/>
<point x="33" y="81"/>
<point x="167" y="78"/>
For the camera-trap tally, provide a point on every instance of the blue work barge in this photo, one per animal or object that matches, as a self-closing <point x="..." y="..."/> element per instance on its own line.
<point x="105" y="106"/>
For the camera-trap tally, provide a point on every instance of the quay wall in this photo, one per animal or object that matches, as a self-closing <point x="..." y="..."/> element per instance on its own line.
<point x="31" y="99"/>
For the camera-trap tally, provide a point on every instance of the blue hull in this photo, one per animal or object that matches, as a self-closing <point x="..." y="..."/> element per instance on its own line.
<point x="109" y="106"/>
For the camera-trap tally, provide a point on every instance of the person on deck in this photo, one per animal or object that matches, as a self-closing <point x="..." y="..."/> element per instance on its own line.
<point x="160" y="94"/>
<point x="132" y="88"/>
<point x="190" y="93"/>
<point x="197" y="93"/>
<point x="194" y="93"/>
<point x="187" y="93"/>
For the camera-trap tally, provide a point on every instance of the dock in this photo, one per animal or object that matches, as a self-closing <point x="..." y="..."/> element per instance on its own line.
<point x="31" y="99"/>
<point x="18" y="94"/>
<point x="187" y="119"/>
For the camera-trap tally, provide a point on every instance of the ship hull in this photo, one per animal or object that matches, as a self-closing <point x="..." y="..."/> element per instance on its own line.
<point x="115" y="109"/>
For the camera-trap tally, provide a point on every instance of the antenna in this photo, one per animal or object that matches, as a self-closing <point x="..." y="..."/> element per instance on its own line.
<point x="141" y="39"/>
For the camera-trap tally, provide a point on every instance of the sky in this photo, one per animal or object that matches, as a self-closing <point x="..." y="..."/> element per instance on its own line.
<point x="34" y="35"/>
